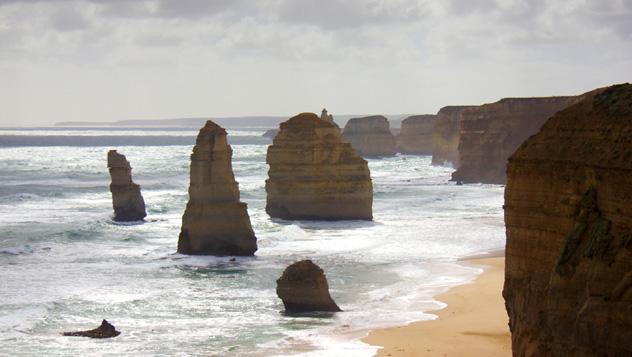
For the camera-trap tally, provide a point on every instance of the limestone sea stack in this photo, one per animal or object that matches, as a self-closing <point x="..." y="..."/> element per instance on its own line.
<point x="106" y="330"/>
<point x="303" y="288"/>
<point x="415" y="136"/>
<point x="215" y="222"/>
<point x="315" y="175"/>
<point x="490" y="133"/>
<point x="370" y="136"/>
<point x="568" y="279"/>
<point x="127" y="200"/>
<point x="445" y="135"/>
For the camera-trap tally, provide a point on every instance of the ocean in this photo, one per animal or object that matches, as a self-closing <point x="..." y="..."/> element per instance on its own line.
<point x="65" y="265"/>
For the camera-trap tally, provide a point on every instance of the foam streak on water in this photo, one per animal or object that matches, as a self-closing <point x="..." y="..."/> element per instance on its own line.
<point x="65" y="266"/>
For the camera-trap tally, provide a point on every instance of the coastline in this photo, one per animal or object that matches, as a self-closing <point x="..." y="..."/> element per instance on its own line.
<point x="474" y="322"/>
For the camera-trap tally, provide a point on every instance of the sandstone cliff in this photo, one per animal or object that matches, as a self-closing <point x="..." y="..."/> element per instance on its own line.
<point x="127" y="200"/>
<point x="415" y="136"/>
<point x="315" y="175"/>
<point x="303" y="288"/>
<point x="446" y="134"/>
<point x="490" y="133"/>
<point x="370" y="136"/>
<point x="215" y="222"/>
<point x="568" y="286"/>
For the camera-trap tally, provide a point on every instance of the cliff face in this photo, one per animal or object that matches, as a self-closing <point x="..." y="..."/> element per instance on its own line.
<point x="446" y="134"/>
<point x="370" y="136"/>
<point x="303" y="288"/>
<point x="490" y="133"/>
<point x="568" y="286"/>
<point x="127" y="201"/>
<point x="315" y="175"/>
<point x="215" y="222"/>
<point x="415" y="136"/>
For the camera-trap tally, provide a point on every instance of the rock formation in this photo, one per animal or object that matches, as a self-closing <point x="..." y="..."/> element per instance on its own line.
<point x="445" y="136"/>
<point x="490" y="133"/>
<point x="315" y="175"/>
<point x="303" y="288"/>
<point x="271" y="133"/>
<point x="415" y="136"/>
<point x="568" y="279"/>
<point x="370" y="136"/>
<point x="328" y="117"/>
<point x="127" y="201"/>
<point x="215" y="222"/>
<point x="106" y="330"/>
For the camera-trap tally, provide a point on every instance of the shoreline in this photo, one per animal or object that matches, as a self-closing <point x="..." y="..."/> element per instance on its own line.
<point x="474" y="322"/>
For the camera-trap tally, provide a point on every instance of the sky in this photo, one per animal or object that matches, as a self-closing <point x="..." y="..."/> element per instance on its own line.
<point x="100" y="60"/>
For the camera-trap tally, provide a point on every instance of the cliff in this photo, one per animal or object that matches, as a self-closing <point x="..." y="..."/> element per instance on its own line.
<point x="568" y="279"/>
<point x="127" y="200"/>
<point x="303" y="288"/>
<point x="215" y="222"/>
<point x="445" y="135"/>
<point x="316" y="175"/>
<point x="415" y="136"/>
<point x="370" y="136"/>
<point x="490" y="133"/>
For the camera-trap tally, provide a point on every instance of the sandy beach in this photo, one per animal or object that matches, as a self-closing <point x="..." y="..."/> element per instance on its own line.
<point x="473" y="324"/>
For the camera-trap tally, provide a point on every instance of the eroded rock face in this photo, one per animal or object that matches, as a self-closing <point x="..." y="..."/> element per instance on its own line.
<point x="127" y="200"/>
<point x="303" y="288"/>
<point x="215" y="222"/>
<point x="445" y="135"/>
<point x="315" y="175"/>
<point x="490" y="133"/>
<point x="568" y="286"/>
<point x="328" y="117"/>
<point x="415" y="136"/>
<point x="370" y="136"/>
<point x="106" y="330"/>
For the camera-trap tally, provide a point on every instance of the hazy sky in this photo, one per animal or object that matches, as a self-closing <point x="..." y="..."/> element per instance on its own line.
<point x="111" y="60"/>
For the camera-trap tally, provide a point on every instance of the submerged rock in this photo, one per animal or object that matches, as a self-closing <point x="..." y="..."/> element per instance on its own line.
<point x="415" y="136"/>
<point x="315" y="175"/>
<point x="215" y="221"/>
<point x="370" y="136"/>
<point x="568" y="279"/>
<point x="445" y="135"/>
<point x="106" y="330"/>
<point x="303" y="288"/>
<point x="127" y="200"/>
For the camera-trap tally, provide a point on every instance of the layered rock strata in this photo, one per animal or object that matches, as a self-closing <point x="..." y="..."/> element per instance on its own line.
<point x="568" y="279"/>
<point x="127" y="200"/>
<point x="445" y="136"/>
<point x="303" y="288"/>
<point x="370" y="136"/>
<point x="415" y="136"/>
<point x="490" y="133"/>
<point x="106" y="330"/>
<point x="215" y="221"/>
<point x="315" y="175"/>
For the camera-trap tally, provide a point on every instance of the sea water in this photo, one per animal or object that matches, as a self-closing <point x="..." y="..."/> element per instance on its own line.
<point x="64" y="265"/>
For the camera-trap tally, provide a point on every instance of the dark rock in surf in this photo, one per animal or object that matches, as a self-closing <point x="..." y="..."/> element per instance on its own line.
<point x="106" y="330"/>
<point x="303" y="288"/>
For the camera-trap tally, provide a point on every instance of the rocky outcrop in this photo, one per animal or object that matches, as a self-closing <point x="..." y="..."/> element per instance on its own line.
<point x="445" y="136"/>
<point x="490" y="133"/>
<point x="328" y="117"/>
<point x="415" y="136"/>
<point x="303" y="288"/>
<point x="568" y="280"/>
<point x="127" y="201"/>
<point x="106" y="330"/>
<point x="370" y="136"/>
<point x="270" y="133"/>
<point x="315" y="175"/>
<point x="215" y="222"/>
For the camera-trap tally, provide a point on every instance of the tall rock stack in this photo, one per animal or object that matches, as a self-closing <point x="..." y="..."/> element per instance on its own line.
<point x="127" y="200"/>
<point x="490" y="133"/>
<point x="370" y="136"/>
<point x="215" y="222"/>
<point x="415" y="136"/>
<point x="568" y="279"/>
<point x="445" y="135"/>
<point x="315" y="175"/>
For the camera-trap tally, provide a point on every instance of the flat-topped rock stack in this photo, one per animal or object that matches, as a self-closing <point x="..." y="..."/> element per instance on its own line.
<point x="127" y="200"/>
<point x="215" y="221"/>
<point x="415" y="136"/>
<point x="370" y="136"/>
<point x="446" y="134"/>
<point x="315" y="175"/>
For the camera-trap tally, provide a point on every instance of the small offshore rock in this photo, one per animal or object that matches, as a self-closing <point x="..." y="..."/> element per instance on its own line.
<point x="106" y="330"/>
<point x="303" y="288"/>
